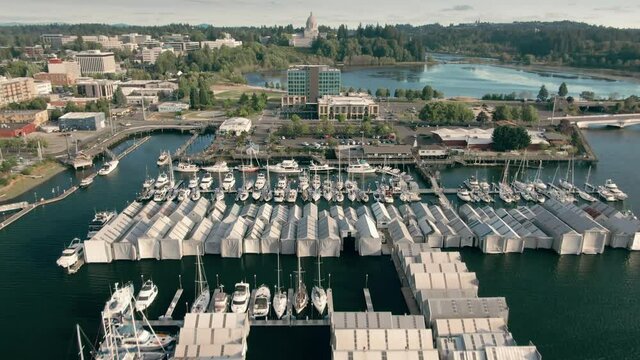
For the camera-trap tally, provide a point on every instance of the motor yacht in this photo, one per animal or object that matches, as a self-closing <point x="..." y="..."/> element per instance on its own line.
<point x="193" y="182"/>
<point x="162" y="180"/>
<point x="108" y="167"/>
<point x="84" y="183"/>
<point x="613" y="188"/>
<point x="278" y="195"/>
<point x="320" y="167"/>
<point x="119" y="304"/>
<point x="163" y="159"/>
<point x="229" y="182"/>
<point x="285" y="167"/>
<point x="303" y="182"/>
<point x="72" y="254"/>
<point x="606" y="194"/>
<point x="160" y="195"/>
<point x="218" y="167"/>
<point x="184" y="194"/>
<point x="137" y="339"/>
<point x="240" y="300"/>
<point x="361" y="167"/>
<point x="100" y="219"/>
<point x="262" y="302"/>
<point x="146" y="295"/>
<point x="186" y="167"/>
<point x="291" y="195"/>
<point x="206" y="181"/>
<point x="261" y="181"/>
<point x="316" y="182"/>
<point x="220" y="301"/>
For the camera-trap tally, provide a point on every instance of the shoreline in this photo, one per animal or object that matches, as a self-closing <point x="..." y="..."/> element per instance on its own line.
<point x="23" y="183"/>
<point x="595" y="73"/>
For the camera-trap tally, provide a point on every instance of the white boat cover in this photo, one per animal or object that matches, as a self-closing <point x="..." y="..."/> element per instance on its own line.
<point x="288" y="238"/>
<point x="398" y="232"/>
<point x="351" y="215"/>
<point x="345" y="227"/>
<point x="213" y="243"/>
<point x="217" y="210"/>
<point x="382" y="339"/>
<point x="422" y="211"/>
<point x="414" y="230"/>
<point x="172" y="245"/>
<point x="133" y="209"/>
<point x="251" y="242"/>
<point x="270" y="240"/>
<point x="336" y="211"/>
<point x="249" y="212"/>
<point x="264" y="212"/>
<point x="328" y="237"/>
<point x="368" y="240"/>
<point x="127" y="247"/>
<point x="393" y="212"/>
<point x="307" y="237"/>
<point x="280" y="214"/>
<point x="310" y="210"/>
<point x="381" y="215"/>
<point x="362" y="211"/>
<point x="199" y="210"/>
<point x="231" y="245"/>
<point x="100" y="249"/>
<point x="197" y="238"/>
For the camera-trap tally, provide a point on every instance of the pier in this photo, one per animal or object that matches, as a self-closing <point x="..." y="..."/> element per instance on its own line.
<point x="174" y="302"/>
<point x="183" y="149"/>
<point x="367" y="299"/>
<point x="15" y="217"/>
<point x="130" y="149"/>
<point x="14" y="206"/>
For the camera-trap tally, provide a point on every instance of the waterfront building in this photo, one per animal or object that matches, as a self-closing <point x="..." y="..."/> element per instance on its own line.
<point x="310" y="33"/>
<point x="16" y="90"/>
<point x="150" y="55"/>
<point x="235" y="126"/>
<point x="307" y="83"/>
<point x="136" y="100"/>
<point x="16" y="129"/>
<point x="213" y="336"/>
<point x="172" y="107"/>
<point x="481" y="139"/>
<point x="90" y="121"/>
<point x="226" y="40"/>
<point x="432" y="152"/>
<point x="96" y="62"/>
<point x="353" y="107"/>
<point x="96" y="88"/>
<point x="389" y="152"/>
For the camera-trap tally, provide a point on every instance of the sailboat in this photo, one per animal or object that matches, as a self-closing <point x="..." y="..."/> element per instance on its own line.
<point x="583" y="194"/>
<point x="537" y="182"/>
<point x="203" y="296"/>
<point x="318" y="294"/>
<point x="220" y="299"/>
<point x="301" y="297"/>
<point x="339" y="183"/>
<point x="565" y="183"/>
<point x="279" y="297"/>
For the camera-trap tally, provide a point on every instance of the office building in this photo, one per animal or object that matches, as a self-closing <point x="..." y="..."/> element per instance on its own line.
<point x="226" y="40"/>
<point x="105" y="41"/>
<point x="352" y="107"/>
<point x="71" y="68"/>
<point x="38" y="117"/>
<point x="149" y="56"/>
<point x="167" y="107"/>
<point x="89" y="121"/>
<point x="33" y="51"/>
<point x="16" y="90"/>
<point x="134" y="38"/>
<point x="55" y="79"/>
<point x="57" y="40"/>
<point x="307" y="83"/>
<point x="136" y="100"/>
<point x="96" y="88"/>
<point x="43" y="87"/>
<point x="182" y="46"/>
<point x="96" y="62"/>
<point x="235" y="126"/>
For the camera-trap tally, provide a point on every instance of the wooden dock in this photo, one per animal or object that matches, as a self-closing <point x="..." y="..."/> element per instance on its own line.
<point x="130" y="149"/>
<point x="367" y="299"/>
<point x="13" y="218"/>
<point x="329" y="301"/>
<point x="173" y="304"/>
<point x="14" y="206"/>
<point x="252" y="300"/>
<point x="290" y="322"/>
<point x="183" y="149"/>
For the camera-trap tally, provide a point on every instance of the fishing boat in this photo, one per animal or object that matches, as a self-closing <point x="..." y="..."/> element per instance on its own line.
<point x="163" y="159"/>
<point x="361" y="167"/>
<point x="613" y="188"/>
<point x="301" y="297"/>
<point x="72" y="254"/>
<point x="193" y="182"/>
<point x="146" y="295"/>
<point x="108" y="167"/>
<point x="261" y="181"/>
<point x="285" y="167"/>
<point x="100" y="219"/>
<point x="119" y="304"/>
<point x="186" y="167"/>
<point x="162" y="180"/>
<point x="229" y="182"/>
<point x="320" y="167"/>
<point x="262" y="302"/>
<point x="206" y="181"/>
<point x="218" y="167"/>
<point x="240" y="300"/>
<point x="279" y="297"/>
<point x="203" y="296"/>
<point x="318" y="294"/>
<point x="84" y="183"/>
<point x="220" y="301"/>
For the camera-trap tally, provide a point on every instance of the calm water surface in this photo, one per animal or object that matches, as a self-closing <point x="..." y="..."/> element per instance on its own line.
<point x="571" y="307"/>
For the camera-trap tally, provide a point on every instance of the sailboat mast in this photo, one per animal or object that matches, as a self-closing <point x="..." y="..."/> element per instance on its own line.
<point x="278" y="257"/>
<point x="80" y="347"/>
<point x="135" y="329"/>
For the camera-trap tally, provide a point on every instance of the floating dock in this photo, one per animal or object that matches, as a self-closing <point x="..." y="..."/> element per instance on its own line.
<point x="174" y="302"/>
<point x="367" y="299"/>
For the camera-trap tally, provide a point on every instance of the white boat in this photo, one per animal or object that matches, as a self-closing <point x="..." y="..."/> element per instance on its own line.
<point x="613" y="188"/>
<point x="219" y="194"/>
<point x="388" y="170"/>
<point x="203" y="295"/>
<point x="540" y="185"/>
<point x="247" y="184"/>
<point x="108" y="167"/>
<point x="247" y="168"/>
<point x="327" y="193"/>
<point x="301" y="298"/>
<point x="146" y="295"/>
<point x="303" y="182"/>
<point x="162" y="180"/>
<point x="267" y="194"/>
<point x="218" y="167"/>
<point x="291" y="195"/>
<point x="163" y="159"/>
<point x="285" y="167"/>
<point x="352" y="195"/>
<point x="193" y="182"/>
<point x="172" y="193"/>
<point x="318" y="294"/>
<point x="243" y="194"/>
<point x="240" y="300"/>
<point x="186" y="167"/>
<point x="220" y="301"/>
<point x="184" y="194"/>
<point x="472" y="183"/>
<point x="339" y="184"/>
<point x="262" y="302"/>
<point x="316" y="182"/>
<point x="229" y="182"/>
<point x="71" y="254"/>
<point x="565" y="184"/>
<point x="317" y="167"/>
<point x="363" y="196"/>
<point x="606" y="194"/>
<point x="100" y="219"/>
<point x="282" y="182"/>
<point x="316" y="194"/>
<point x="160" y="195"/>
<point x="120" y="302"/>
<point x="134" y="339"/>
<point x="206" y="181"/>
<point x="387" y="196"/>
<point x="195" y="195"/>
<point x="279" y="297"/>
<point x="261" y="181"/>
<point x="338" y="196"/>
<point x="256" y="194"/>
<point x="361" y="167"/>
<point x="585" y="196"/>
<point x="148" y="183"/>
<point x="278" y="195"/>
<point x="87" y="181"/>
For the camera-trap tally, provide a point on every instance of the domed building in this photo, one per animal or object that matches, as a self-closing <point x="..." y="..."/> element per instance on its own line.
<point x="310" y="33"/>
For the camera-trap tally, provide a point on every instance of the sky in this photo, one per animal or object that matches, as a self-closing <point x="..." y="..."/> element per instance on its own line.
<point x="616" y="13"/>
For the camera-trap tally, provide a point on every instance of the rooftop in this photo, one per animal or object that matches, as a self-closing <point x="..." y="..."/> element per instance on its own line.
<point x="80" y="115"/>
<point x="361" y="100"/>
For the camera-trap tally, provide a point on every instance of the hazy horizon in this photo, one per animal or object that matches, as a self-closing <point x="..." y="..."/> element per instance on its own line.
<point x="615" y="13"/>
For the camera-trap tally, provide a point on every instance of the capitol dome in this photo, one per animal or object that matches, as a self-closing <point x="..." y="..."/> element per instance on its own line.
<point x="312" y="23"/>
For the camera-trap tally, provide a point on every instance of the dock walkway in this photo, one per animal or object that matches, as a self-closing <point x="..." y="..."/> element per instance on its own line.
<point x="173" y="304"/>
<point x="13" y="218"/>
<point x="367" y="299"/>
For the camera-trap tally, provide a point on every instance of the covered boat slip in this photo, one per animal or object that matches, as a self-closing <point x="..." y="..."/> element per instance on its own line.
<point x="368" y="239"/>
<point x="453" y="327"/>
<point x="472" y="342"/>
<point x="497" y="353"/>
<point x="595" y="236"/>
<point x="213" y="335"/>
<point x="375" y="320"/>
<point x="307" y="237"/>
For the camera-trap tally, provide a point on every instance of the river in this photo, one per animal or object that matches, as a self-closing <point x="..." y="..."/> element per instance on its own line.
<point x="469" y="80"/>
<point x="571" y="307"/>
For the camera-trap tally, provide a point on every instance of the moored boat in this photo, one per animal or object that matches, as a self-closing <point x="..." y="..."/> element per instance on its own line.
<point x="72" y="254"/>
<point x="146" y="295"/>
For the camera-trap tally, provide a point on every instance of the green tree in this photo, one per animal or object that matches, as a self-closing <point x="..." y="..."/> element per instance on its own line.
<point x="342" y="118"/>
<point x="119" y="99"/>
<point x="502" y="112"/>
<point x="563" y="91"/>
<point x="507" y="138"/>
<point x="194" y="100"/>
<point x="399" y="93"/>
<point x="529" y="114"/>
<point x="588" y="95"/>
<point x="446" y="112"/>
<point x="543" y="94"/>
<point x="483" y="117"/>
<point x="427" y="93"/>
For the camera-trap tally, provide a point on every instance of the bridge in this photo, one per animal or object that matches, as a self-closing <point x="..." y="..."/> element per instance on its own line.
<point x="617" y="120"/>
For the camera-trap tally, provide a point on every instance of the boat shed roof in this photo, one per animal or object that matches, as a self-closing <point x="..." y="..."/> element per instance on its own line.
<point x="307" y="229"/>
<point x="364" y="210"/>
<point x="452" y="327"/>
<point x="311" y="210"/>
<point x="289" y="231"/>
<point x="201" y="231"/>
<point x="398" y="232"/>
<point x="393" y="212"/>
<point x="249" y="211"/>
<point x="280" y="214"/>
<point x="264" y="212"/>
<point x="465" y="308"/>
<point x="422" y="211"/>
<point x="328" y="229"/>
<point x="336" y="211"/>
<point x="366" y="227"/>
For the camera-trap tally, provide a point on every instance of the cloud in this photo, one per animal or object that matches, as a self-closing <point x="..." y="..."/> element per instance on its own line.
<point x="459" y="8"/>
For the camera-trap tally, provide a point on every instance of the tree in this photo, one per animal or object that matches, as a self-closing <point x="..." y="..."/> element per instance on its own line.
<point x="483" y="117"/>
<point x="563" y="91"/>
<point x="446" y="112"/>
<point x="427" y="93"/>
<point x="119" y="99"/>
<point x="342" y="118"/>
<point x="399" y="93"/>
<point x="543" y="94"/>
<point x="502" y="112"/>
<point x="507" y="138"/>
<point x="382" y="92"/>
<point x="194" y="101"/>
<point x="529" y="114"/>
<point x="588" y="95"/>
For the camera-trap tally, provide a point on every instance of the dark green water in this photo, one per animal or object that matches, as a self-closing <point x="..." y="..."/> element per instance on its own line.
<point x="570" y="307"/>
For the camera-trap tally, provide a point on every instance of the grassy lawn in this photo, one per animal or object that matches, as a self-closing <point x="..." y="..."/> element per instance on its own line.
<point x="22" y="183"/>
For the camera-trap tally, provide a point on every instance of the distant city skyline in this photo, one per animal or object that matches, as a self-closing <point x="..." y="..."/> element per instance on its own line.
<point x="616" y="13"/>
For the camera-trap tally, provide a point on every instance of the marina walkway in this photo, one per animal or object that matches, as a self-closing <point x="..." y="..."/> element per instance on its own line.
<point x="367" y="299"/>
<point x="13" y="218"/>
<point x="174" y="303"/>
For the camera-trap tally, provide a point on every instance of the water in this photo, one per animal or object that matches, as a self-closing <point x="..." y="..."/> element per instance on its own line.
<point x="571" y="307"/>
<point x="473" y="80"/>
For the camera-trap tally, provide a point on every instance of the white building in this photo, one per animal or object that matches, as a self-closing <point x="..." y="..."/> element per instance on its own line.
<point x="168" y="107"/>
<point x="310" y="33"/>
<point x="354" y="106"/>
<point x="235" y="126"/>
<point x="150" y="56"/>
<point x="43" y="87"/>
<point x="226" y="40"/>
<point x="71" y="68"/>
<point x="96" y="62"/>
<point x="136" y="100"/>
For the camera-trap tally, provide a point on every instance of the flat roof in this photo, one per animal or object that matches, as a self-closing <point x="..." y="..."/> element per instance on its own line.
<point x="392" y="149"/>
<point x="80" y="115"/>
